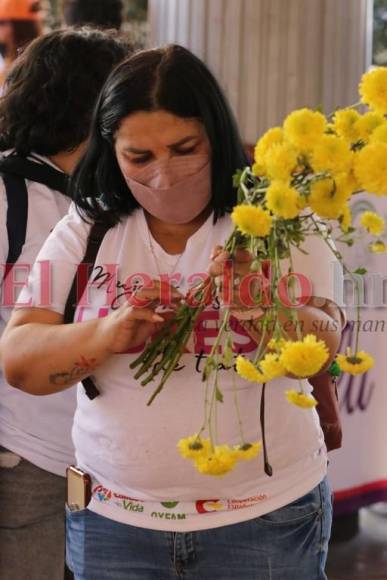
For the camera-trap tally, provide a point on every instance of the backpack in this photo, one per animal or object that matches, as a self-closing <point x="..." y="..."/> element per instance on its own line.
<point x="15" y="170"/>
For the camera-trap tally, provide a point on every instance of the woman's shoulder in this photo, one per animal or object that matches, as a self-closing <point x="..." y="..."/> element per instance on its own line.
<point x="68" y="239"/>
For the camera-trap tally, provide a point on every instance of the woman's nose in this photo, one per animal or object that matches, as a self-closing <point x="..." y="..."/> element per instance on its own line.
<point x="164" y="179"/>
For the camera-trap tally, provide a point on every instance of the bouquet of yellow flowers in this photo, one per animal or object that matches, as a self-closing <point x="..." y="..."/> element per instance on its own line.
<point x="300" y="184"/>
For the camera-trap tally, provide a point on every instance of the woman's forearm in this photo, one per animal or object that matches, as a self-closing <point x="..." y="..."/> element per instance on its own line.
<point x="46" y="358"/>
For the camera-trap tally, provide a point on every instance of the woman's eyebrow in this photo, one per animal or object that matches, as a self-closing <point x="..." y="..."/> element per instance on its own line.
<point x="135" y="150"/>
<point x="183" y="141"/>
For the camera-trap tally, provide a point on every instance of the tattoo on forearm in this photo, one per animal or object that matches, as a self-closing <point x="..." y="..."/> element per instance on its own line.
<point x="81" y="369"/>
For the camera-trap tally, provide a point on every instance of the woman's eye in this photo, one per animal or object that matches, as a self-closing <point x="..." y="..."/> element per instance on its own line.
<point x="139" y="160"/>
<point x="185" y="151"/>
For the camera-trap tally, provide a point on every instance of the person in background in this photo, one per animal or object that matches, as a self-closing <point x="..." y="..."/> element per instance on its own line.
<point x="20" y="22"/>
<point x="45" y="116"/>
<point x="97" y="13"/>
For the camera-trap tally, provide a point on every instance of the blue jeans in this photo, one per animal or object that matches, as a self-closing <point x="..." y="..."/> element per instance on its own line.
<point x="290" y="543"/>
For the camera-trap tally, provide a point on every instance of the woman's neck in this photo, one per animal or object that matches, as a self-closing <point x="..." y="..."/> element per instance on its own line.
<point x="173" y="237"/>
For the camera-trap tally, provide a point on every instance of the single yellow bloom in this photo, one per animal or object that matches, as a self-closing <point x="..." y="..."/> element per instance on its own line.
<point x="272" y="137"/>
<point x="272" y="367"/>
<point x="252" y="220"/>
<point x="380" y="134"/>
<point x="371" y="168"/>
<point x="218" y="462"/>
<point x="345" y="124"/>
<point x="193" y="447"/>
<point x="248" y="371"/>
<point x="247" y="451"/>
<point x="378" y="247"/>
<point x="373" y="89"/>
<point x="304" y="128"/>
<point x="346" y="219"/>
<point x="328" y="197"/>
<point x="283" y="200"/>
<point x="300" y="399"/>
<point x="372" y="222"/>
<point x="355" y="364"/>
<point x="367" y="124"/>
<point x="281" y="161"/>
<point x="259" y="168"/>
<point x="331" y="154"/>
<point x="304" y="358"/>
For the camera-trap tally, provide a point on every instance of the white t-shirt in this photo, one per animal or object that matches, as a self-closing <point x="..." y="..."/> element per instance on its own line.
<point x="129" y="449"/>
<point x="36" y="428"/>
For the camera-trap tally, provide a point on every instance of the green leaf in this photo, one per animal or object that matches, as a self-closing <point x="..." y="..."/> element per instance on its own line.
<point x="361" y="271"/>
<point x="218" y="395"/>
<point x="237" y="178"/>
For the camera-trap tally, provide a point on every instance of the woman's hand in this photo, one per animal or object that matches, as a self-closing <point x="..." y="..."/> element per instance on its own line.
<point x="238" y="285"/>
<point x="136" y="320"/>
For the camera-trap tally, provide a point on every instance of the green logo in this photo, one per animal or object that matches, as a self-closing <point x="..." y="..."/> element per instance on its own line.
<point x="169" y="504"/>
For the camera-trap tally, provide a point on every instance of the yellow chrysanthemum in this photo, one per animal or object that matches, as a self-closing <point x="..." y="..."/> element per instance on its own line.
<point x="373" y="90"/>
<point x="247" y="451"/>
<point x="193" y="447"/>
<point x="272" y="137"/>
<point x="252" y="220"/>
<point x="355" y="364"/>
<point x="304" y="128"/>
<point x="283" y="200"/>
<point x="272" y="367"/>
<point x="248" y="371"/>
<point x="219" y="462"/>
<point x="300" y="399"/>
<point x="367" y="124"/>
<point x="331" y="154"/>
<point x="328" y="197"/>
<point x="259" y="168"/>
<point x="281" y="161"/>
<point x="370" y="168"/>
<point x="346" y="218"/>
<point x="345" y="124"/>
<point x="378" y="247"/>
<point x="304" y="358"/>
<point x="380" y="134"/>
<point x="372" y="222"/>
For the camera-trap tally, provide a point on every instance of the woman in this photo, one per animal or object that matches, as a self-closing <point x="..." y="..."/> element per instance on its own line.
<point x="20" y="22"/>
<point x="159" y="167"/>
<point x="45" y="117"/>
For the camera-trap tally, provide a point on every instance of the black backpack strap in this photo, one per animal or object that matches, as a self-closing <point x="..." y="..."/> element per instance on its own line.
<point x="17" y="212"/>
<point x="15" y="170"/>
<point x="35" y="171"/>
<point x="96" y="236"/>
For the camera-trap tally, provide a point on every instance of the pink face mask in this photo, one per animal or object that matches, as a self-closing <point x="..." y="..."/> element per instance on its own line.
<point x="174" y="191"/>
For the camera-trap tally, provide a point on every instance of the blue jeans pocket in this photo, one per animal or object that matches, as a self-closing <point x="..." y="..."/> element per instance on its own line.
<point x="299" y="533"/>
<point x="307" y="506"/>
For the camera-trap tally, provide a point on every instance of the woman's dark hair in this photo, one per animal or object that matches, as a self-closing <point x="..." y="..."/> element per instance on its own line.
<point x="97" y="13"/>
<point x="52" y="89"/>
<point x="23" y="32"/>
<point x="170" y="79"/>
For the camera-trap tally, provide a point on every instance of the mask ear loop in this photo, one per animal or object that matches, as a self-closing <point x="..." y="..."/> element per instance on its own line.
<point x="268" y="468"/>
